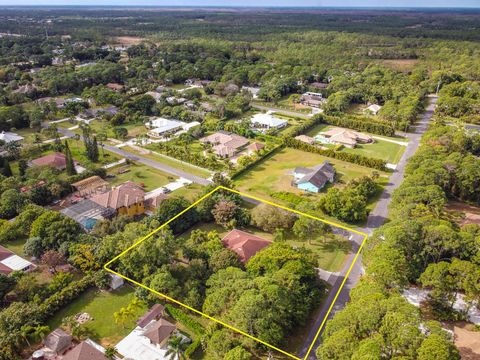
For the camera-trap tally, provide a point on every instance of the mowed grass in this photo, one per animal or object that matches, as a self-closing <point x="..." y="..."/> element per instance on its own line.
<point x="141" y="174"/>
<point x="101" y="305"/>
<point x="331" y="252"/>
<point x="274" y="174"/>
<point x="171" y="162"/>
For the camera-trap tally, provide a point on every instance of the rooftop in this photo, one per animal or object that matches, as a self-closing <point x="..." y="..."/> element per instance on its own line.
<point x="123" y="195"/>
<point x="244" y="244"/>
<point x="268" y="120"/>
<point x="8" y="137"/>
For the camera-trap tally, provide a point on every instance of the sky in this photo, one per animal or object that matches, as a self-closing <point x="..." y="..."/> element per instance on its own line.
<point x="274" y="3"/>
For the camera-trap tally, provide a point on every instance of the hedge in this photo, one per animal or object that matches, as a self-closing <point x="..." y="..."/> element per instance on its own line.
<point x="192" y="348"/>
<point x="58" y="300"/>
<point x="304" y="127"/>
<point x="353" y="158"/>
<point x="360" y="125"/>
<point x="185" y="319"/>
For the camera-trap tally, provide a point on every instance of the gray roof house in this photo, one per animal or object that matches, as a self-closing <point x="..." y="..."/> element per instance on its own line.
<point x="314" y="179"/>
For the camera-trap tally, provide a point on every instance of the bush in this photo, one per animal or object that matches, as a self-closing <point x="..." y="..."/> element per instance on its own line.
<point x="374" y="127"/>
<point x="185" y="319"/>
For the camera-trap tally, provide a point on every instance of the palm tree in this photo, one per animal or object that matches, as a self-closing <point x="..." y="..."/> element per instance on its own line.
<point x="176" y="348"/>
<point x="39" y="332"/>
<point x="122" y="315"/>
<point x="110" y="352"/>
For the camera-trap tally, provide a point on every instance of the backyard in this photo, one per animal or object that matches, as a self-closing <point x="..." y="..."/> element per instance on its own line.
<point x="274" y="174"/>
<point x="141" y="174"/>
<point x="101" y="305"/>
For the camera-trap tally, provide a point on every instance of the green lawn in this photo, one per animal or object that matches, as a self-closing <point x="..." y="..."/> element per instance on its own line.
<point x="173" y="163"/>
<point x="16" y="246"/>
<point x="77" y="149"/>
<point x="275" y="173"/>
<point x="141" y="174"/>
<point x="190" y="192"/>
<point x="101" y="305"/>
<point x="331" y="251"/>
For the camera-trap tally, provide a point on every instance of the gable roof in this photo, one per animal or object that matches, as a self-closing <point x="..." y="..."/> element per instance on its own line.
<point x="159" y="330"/>
<point x="316" y="178"/>
<point x="10" y="262"/>
<point x="305" y="139"/>
<point x="326" y="168"/>
<point x="346" y="136"/>
<point x="56" y="160"/>
<point x="84" y="351"/>
<point x="226" y="143"/>
<point x="244" y="244"/>
<point x="154" y="312"/>
<point x="126" y="195"/>
<point x="58" y="340"/>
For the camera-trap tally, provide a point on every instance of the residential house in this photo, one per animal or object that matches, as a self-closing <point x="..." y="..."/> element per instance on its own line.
<point x="152" y="202"/>
<point x="10" y="262"/>
<point x="58" y="341"/>
<point x="10" y="137"/>
<point x="160" y="127"/>
<point x="313" y="180"/>
<point x="149" y="340"/>
<point x="255" y="147"/>
<point x="56" y="160"/>
<point x="154" y="313"/>
<point x="156" y="95"/>
<point x="312" y="99"/>
<point x="306" y="139"/>
<point x="90" y="186"/>
<point x="86" y="350"/>
<point x="244" y="244"/>
<point x="125" y="199"/>
<point x="225" y="144"/>
<point x="252" y="90"/>
<point x="267" y="121"/>
<point x="345" y="137"/>
<point x="373" y="109"/>
<point x="115" y="87"/>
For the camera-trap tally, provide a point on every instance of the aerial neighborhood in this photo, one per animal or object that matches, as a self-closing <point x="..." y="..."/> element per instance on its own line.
<point x="235" y="184"/>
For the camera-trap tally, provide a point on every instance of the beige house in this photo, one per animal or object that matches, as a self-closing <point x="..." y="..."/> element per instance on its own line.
<point x="225" y="144"/>
<point x="346" y="137"/>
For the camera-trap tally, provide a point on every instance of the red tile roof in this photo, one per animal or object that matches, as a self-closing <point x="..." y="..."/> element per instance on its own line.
<point x="126" y="194"/>
<point x="57" y="160"/>
<point x="84" y="351"/>
<point x="244" y="244"/>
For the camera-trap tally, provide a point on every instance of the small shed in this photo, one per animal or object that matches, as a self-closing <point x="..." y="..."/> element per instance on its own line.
<point x="116" y="281"/>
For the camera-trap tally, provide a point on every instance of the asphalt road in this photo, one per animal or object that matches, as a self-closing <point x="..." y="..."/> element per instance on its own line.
<point x="376" y="218"/>
<point x="152" y="163"/>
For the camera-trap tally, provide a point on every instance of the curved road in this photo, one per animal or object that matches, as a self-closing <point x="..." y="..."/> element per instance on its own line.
<point x="376" y="218"/>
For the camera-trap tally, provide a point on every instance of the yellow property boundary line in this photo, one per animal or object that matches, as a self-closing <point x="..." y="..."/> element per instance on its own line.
<point x="219" y="321"/>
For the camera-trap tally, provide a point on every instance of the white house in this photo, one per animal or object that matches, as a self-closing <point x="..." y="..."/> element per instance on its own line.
<point x="267" y="121"/>
<point x="373" y="109"/>
<point x="161" y="126"/>
<point x="9" y="262"/>
<point x="252" y="90"/>
<point x="8" y="137"/>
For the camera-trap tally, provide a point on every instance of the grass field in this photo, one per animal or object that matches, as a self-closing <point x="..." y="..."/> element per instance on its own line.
<point x="141" y="174"/>
<point x="190" y="192"/>
<point x="274" y="173"/>
<point x="173" y="163"/>
<point x="101" y="305"/>
<point x="380" y="149"/>
<point x="331" y="252"/>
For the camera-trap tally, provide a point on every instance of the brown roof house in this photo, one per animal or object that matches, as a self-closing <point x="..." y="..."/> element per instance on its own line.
<point x="86" y="350"/>
<point x="313" y="180"/>
<point x="58" y="341"/>
<point x="159" y="332"/>
<point x="91" y="186"/>
<point x="254" y="147"/>
<point x="56" y="160"/>
<point x="306" y="139"/>
<point x="244" y="244"/>
<point x="345" y="137"/>
<point x="225" y="144"/>
<point x="154" y="313"/>
<point x="126" y="199"/>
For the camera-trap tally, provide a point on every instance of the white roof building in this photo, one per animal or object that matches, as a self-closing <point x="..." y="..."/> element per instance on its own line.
<point x="190" y="125"/>
<point x="10" y="262"/>
<point x="374" y="109"/>
<point x="9" y="137"/>
<point x="253" y="90"/>
<point x="135" y="346"/>
<point x="161" y="126"/>
<point x="268" y="121"/>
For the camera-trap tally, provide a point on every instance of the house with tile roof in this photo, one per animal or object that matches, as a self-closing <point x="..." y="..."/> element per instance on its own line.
<point x="86" y="350"/>
<point x="267" y="121"/>
<point x="225" y="144"/>
<point x="254" y="147"/>
<point x="244" y="244"/>
<point x="56" y="160"/>
<point x="314" y="179"/>
<point x="345" y="137"/>
<point x="126" y="199"/>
